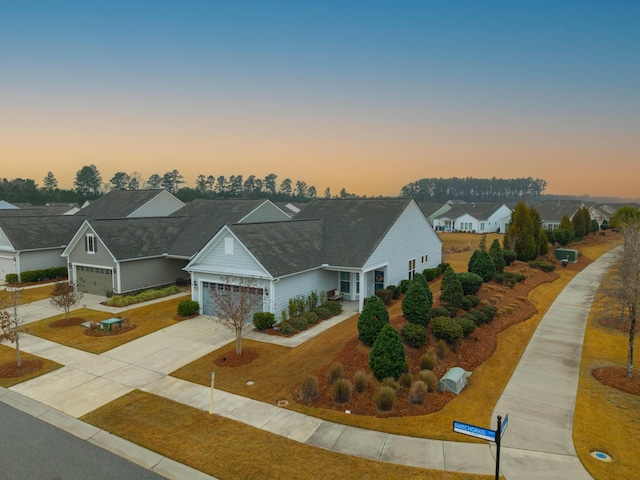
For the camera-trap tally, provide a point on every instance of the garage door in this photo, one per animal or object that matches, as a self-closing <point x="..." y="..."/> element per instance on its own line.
<point x="252" y="296"/>
<point x="94" y="280"/>
<point x="7" y="265"/>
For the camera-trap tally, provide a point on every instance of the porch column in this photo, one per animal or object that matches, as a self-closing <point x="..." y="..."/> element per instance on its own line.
<point x="363" y="287"/>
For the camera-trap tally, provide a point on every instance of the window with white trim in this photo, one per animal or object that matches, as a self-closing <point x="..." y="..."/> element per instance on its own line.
<point x="412" y="268"/>
<point x="90" y="243"/>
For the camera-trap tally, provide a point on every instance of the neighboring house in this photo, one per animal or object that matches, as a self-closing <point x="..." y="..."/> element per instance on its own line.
<point x="126" y="254"/>
<point x="33" y="242"/>
<point x="474" y="217"/>
<point x="551" y="213"/>
<point x="356" y="246"/>
<point x="432" y="210"/>
<point x="4" y="205"/>
<point x="132" y="204"/>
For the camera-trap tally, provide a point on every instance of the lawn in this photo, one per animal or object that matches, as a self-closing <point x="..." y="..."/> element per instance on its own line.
<point x="606" y="419"/>
<point x="228" y="449"/>
<point x="147" y="319"/>
<point x="29" y="295"/>
<point x="461" y="245"/>
<point x="8" y="356"/>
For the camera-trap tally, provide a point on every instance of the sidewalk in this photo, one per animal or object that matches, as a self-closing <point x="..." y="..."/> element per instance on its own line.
<point x="539" y="398"/>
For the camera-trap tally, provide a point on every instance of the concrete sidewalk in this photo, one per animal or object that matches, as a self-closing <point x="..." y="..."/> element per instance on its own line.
<point x="539" y="398"/>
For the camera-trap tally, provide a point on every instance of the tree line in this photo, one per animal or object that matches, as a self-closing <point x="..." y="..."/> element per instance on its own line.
<point x="88" y="184"/>
<point x="469" y="189"/>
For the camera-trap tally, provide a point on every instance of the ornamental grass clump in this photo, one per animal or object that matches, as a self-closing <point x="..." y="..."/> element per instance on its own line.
<point x="384" y="399"/>
<point x="418" y="393"/>
<point x="360" y="381"/>
<point x="336" y="371"/>
<point x="428" y="359"/>
<point x="309" y="389"/>
<point x="405" y="380"/>
<point x="341" y="390"/>
<point x="430" y="380"/>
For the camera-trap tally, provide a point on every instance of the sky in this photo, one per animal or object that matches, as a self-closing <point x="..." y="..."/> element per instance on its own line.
<point x="363" y="95"/>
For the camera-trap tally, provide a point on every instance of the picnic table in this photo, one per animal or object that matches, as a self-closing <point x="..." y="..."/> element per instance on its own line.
<point x="108" y="323"/>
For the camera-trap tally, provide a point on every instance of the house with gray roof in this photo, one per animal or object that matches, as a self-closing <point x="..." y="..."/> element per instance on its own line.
<point x="551" y="213"/>
<point x="121" y="255"/>
<point x="33" y="242"/>
<point x="355" y="246"/>
<point x="474" y="217"/>
<point x="132" y="204"/>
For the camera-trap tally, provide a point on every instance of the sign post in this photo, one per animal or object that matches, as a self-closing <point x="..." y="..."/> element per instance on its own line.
<point x="213" y="380"/>
<point x="485" y="434"/>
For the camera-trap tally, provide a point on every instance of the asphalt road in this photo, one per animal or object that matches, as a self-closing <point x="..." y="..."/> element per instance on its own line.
<point x="34" y="450"/>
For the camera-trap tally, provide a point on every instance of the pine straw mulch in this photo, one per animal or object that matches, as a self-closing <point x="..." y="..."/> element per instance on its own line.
<point x="616" y="377"/>
<point x="63" y="322"/>
<point x="513" y="307"/>
<point x="11" y="370"/>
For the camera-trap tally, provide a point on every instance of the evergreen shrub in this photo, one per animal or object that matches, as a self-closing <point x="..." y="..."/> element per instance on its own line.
<point x="471" y="282"/>
<point x="264" y="320"/>
<point x="189" y="307"/>
<point x="372" y="319"/>
<point x="414" y="335"/>
<point x="447" y="329"/>
<point x="385" y="294"/>
<point x="333" y="306"/>
<point x="387" y="357"/>
<point x="323" y="313"/>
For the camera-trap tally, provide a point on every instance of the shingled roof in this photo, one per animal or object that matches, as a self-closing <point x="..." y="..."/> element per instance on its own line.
<point x="138" y="237"/>
<point x="353" y="228"/>
<point x="36" y="232"/>
<point x="479" y="211"/>
<point x="118" y="203"/>
<point x="283" y="247"/>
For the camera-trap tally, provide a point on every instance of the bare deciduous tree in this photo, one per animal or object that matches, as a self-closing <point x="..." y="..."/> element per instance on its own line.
<point x="11" y="322"/>
<point x="235" y="301"/>
<point x="65" y="296"/>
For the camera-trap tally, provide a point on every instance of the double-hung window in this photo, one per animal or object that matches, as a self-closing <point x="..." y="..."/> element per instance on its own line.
<point x="90" y="243"/>
<point x="412" y="268"/>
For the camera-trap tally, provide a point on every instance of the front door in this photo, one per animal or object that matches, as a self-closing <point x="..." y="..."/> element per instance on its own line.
<point x="378" y="280"/>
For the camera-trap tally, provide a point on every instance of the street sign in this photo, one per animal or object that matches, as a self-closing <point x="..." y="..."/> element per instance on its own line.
<point x="473" y="431"/>
<point x="504" y="425"/>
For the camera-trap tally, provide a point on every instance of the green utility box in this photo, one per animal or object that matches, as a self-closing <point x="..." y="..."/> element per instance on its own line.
<point x="568" y="254"/>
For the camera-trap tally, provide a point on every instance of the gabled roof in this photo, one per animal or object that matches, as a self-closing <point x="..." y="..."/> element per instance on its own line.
<point x="36" y="232"/>
<point x="118" y="203"/>
<point x="206" y="217"/>
<point x="284" y="247"/>
<point x="353" y="228"/>
<point x="129" y="238"/>
<point x="553" y="211"/>
<point x="430" y="208"/>
<point x="34" y="211"/>
<point x="479" y="211"/>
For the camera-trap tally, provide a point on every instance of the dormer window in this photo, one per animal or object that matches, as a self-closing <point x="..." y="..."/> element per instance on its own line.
<point x="90" y="243"/>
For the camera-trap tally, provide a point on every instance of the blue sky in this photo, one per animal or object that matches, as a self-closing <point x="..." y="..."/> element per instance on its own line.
<point x="382" y="92"/>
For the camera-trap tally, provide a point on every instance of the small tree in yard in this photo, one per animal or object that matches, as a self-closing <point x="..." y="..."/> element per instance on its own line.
<point x="235" y="302"/>
<point x="11" y="322"/>
<point x="484" y="267"/>
<point x="65" y="296"/>
<point x="451" y="292"/>
<point x="417" y="302"/>
<point x="374" y="316"/>
<point x="387" y="357"/>
<point x="497" y="257"/>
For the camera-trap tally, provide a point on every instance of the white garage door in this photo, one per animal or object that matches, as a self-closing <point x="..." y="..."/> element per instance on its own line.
<point x="209" y="300"/>
<point x="94" y="280"/>
<point x="7" y="265"/>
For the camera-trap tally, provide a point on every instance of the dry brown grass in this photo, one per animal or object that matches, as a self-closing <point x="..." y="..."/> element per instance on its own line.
<point x="459" y="260"/>
<point x="8" y="355"/>
<point x="228" y="449"/>
<point x="29" y="295"/>
<point x="147" y="319"/>
<point x="606" y="419"/>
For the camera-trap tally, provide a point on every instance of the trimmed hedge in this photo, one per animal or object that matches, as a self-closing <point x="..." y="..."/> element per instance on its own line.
<point x="545" y="267"/>
<point x="447" y="329"/>
<point x="31" y="276"/>
<point x="264" y="320"/>
<point x="509" y="278"/>
<point x="471" y="282"/>
<point x="188" y="307"/>
<point x="334" y="307"/>
<point x="322" y="313"/>
<point x="123" y="301"/>
<point x="414" y="335"/>
<point x="467" y="324"/>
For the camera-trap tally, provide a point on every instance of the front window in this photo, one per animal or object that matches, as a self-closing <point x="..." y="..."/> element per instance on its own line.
<point x="412" y="268"/>
<point x="345" y="282"/>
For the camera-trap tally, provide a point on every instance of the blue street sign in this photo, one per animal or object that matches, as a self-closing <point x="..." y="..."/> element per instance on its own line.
<point x="504" y="425"/>
<point x="473" y="431"/>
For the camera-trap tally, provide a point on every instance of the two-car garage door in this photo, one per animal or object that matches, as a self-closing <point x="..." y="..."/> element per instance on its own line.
<point x="94" y="280"/>
<point x="213" y="292"/>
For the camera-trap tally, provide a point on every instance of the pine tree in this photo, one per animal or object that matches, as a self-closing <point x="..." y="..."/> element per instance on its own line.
<point x="520" y="235"/>
<point x="417" y="302"/>
<point x="497" y="257"/>
<point x="387" y="357"/>
<point x="373" y="318"/>
<point x="472" y="260"/>
<point x="451" y="292"/>
<point x="484" y="267"/>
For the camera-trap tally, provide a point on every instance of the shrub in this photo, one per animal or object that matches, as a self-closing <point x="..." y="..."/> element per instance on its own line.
<point x="414" y="335"/>
<point x="447" y="329"/>
<point x="471" y="282"/>
<point x="442" y="349"/>
<point x="310" y="317"/>
<point x="309" y="389"/>
<point x="360" y="381"/>
<point x="509" y="256"/>
<point x="322" y="313"/>
<point x="484" y="314"/>
<point x="416" y="304"/>
<point x="298" y="323"/>
<point x="286" y="328"/>
<point x="443" y="266"/>
<point x="391" y="382"/>
<point x="387" y="357"/>
<point x="496" y="255"/>
<point x="312" y="300"/>
<point x="484" y="267"/>
<point x="430" y="274"/>
<point x="545" y="267"/>
<point x="466" y="303"/>
<point x="430" y="379"/>
<point x="439" y="312"/>
<point x="334" y="307"/>
<point x="418" y="393"/>
<point x="189" y="307"/>
<point x="467" y="323"/>
<point x="11" y="278"/>
<point x="475" y="301"/>
<point x="341" y="390"/>
<point x="450" y="290"/>
<point x="405" y="380"/>
<point x="125" y="300"/>
<point x="551" y="236"/>
<point x="509" y="279"/>
<point x="384" y="399"/>
<point x="373" y="317"/>
<point x="264" y="320"/>
<point x="428" y="359"/>
<point x="396" y="291"/>
<point x="472" y="260"/>
<point x="336" y="370"/>
<point x="385" y="294"/>
<point x="404" y="285"/>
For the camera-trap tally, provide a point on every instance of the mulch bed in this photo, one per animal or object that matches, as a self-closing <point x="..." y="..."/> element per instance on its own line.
<point x="11" y="370"/>
<point x="115" y="330"/>
<point x="72" y="322"/>
<point x="616" y="377"/>
<point x="230" y="359"/>
<point x="179" y="318"/>
<point x="614" y="322"/>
